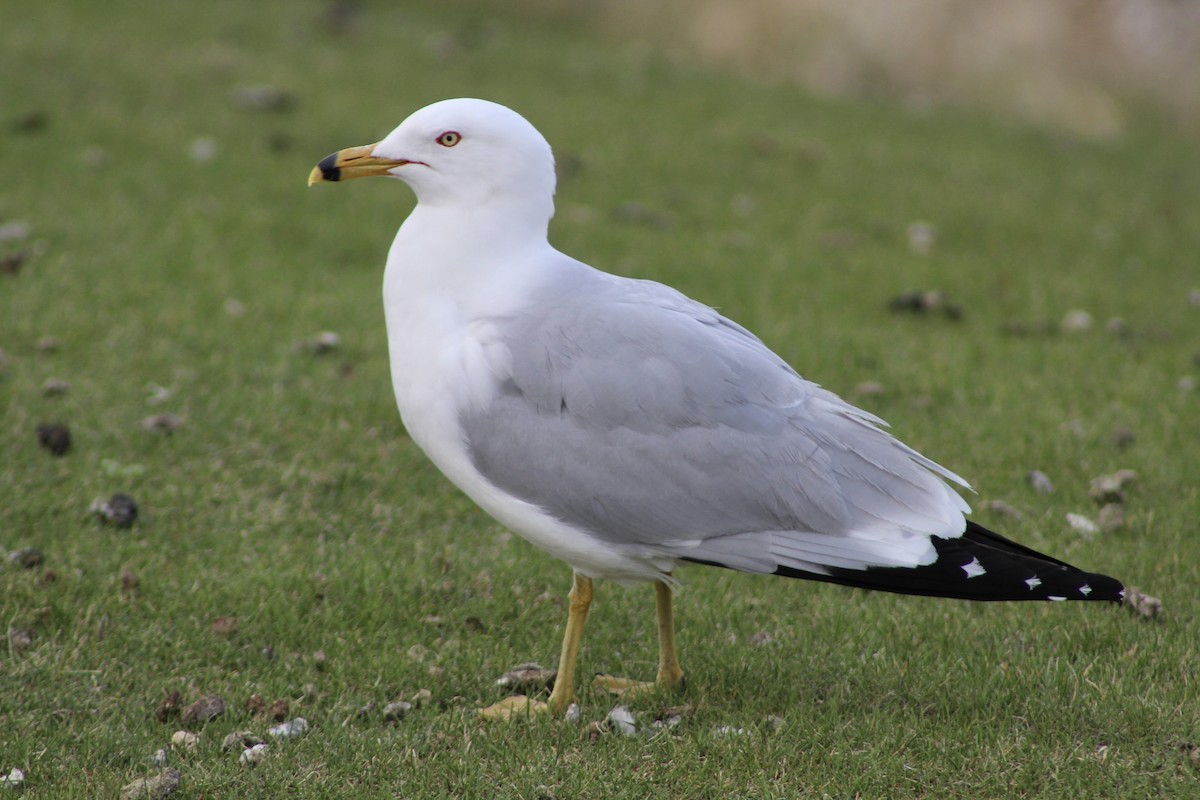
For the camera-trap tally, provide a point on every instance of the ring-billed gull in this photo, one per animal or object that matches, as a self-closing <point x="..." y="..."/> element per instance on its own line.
<point x="626" y="428"/>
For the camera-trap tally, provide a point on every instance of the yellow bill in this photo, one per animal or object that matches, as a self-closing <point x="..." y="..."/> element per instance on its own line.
<point x="353" y="162"/>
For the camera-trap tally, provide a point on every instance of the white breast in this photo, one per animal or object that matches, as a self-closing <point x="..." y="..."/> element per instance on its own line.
<point x="444" y="359"/>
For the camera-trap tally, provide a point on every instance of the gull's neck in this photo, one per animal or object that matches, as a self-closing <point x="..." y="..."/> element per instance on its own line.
<point x="478" y="259"/>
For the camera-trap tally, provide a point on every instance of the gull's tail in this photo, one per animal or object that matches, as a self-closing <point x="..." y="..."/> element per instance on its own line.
<point x="980" y="565"/>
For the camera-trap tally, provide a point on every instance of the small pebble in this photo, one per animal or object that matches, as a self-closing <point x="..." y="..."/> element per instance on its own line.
<point x="922" y="301"/>
<point x="729" y="730"/>
<point x="11" y="263"/>
<point x="14" y="231"/>
<point x="279" y="710"/>
<point x="1082" y="524"/>
<point x="1193" y="754"/>
<point x="922" y="236"/>
<point x="1111" y="488"/>
<point x="1194" y="298"/>
<point x="20" y="639"/>
<point x="759" y="639"/>
<point x="168" y="706"/>
<point x="54" y="387"/>
<point x="1187" y="384"/>
<point x="255" y="704"/>
<point x="31" y="121"/>
<point x="14" y="778"/>
<point x="1040" y="482"/>
<point x="234" y="308"/>
<point x="54" y="437"/>
<point x="49" y="344"/>
<point x="204" y="709"/>
<point x="160" y="757"/>
<point x="27" y="557"/>
<point x="203" y="149"/>
<point x="322" y="344"/>
<point x="528" y="677"/>
<point x="162" y="423"/>
<point x="120" y="510"/>
<point x="185" y="740"/>
<point x="573" y="714"/>
<point x="1076" y="321"/>
<point x="252" y="755"/>
<point x="225" y="626"/>
<point x="1123" y="437"/>
<point x="159" y="786"/>
<point x="396" y="711"/>
<point x="620" y="719"/>
<point x="289" y="729"/>
<point x="1142" y="604"/>
<point x="1111" y="518"/>
<point x="422" y="698"/>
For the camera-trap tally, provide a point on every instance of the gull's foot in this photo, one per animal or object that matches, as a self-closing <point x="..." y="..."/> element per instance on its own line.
<point x="628" y="688"/>
<point x="622" y="687"/>
<point x="512" y="707"/>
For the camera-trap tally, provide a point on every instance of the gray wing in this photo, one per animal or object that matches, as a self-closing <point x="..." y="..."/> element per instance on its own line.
<point x="628" y="410"/>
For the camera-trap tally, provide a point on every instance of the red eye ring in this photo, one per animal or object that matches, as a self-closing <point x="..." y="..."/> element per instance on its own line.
<point x="449" y="138"/>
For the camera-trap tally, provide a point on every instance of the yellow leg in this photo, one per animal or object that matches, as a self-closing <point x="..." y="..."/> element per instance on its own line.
<point x="670" y="674"/>
<point x="578" y="601"/>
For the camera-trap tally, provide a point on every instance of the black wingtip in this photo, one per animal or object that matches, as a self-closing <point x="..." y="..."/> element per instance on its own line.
<point x="981" y="565"/>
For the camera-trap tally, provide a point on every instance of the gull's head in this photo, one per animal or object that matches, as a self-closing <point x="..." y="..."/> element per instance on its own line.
<point x="457" y="153"/>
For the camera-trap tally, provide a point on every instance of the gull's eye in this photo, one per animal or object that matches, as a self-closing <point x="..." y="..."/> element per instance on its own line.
<point x="449" y="138"/>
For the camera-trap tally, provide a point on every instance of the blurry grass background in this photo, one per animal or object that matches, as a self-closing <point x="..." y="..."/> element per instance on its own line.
<point x="164" y="256"/>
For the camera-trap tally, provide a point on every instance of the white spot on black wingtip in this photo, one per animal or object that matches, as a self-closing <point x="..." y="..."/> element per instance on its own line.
<point x="1085" y="590"/>
<point x="1033" y="582"/>
<point x="974" y="569"/>
<point x="1055" y="598"/>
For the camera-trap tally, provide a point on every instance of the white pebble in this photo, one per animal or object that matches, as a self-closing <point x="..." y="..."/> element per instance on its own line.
<point x="621" y="720"/>
<point x="14" y="231"/>
<point x="253" y="755"/>
<point x="573" y="713"/>
<point x="1040" y="482"/>
<point x="185" y="740"/>
<point x="1082" y="524"/>
<point x="14" y="778"/>
<point x="289" y="729"/>
<point x="1076" y="320"/>
<point x="922" y="236"/>
<point x="203" y="149"/>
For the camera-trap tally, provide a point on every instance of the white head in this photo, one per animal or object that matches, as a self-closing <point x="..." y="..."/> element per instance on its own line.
<point x="461" y="155"/>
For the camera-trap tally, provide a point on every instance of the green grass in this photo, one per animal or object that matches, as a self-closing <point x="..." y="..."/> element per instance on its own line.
<point x="292" y="500"/>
